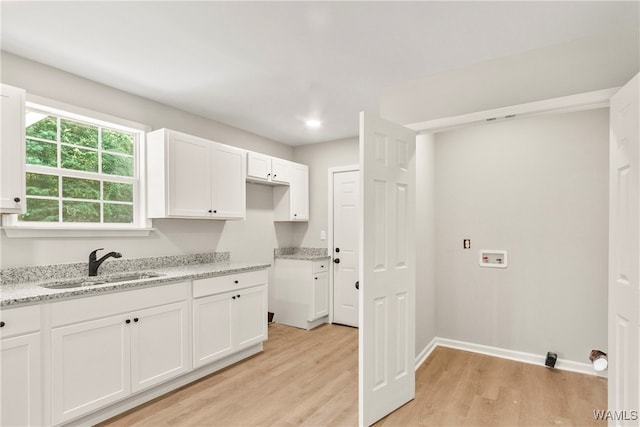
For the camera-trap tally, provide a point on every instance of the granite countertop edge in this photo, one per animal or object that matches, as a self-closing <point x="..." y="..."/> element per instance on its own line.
<point x="27" y="293"/>
<point x="303" y="257"/>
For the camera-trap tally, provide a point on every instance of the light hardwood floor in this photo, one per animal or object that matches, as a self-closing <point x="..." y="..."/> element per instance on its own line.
<point x="309" y="378"/>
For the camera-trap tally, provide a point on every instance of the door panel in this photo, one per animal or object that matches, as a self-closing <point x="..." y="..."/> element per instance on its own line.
<point x="189" y="176"/>
<point x="387" y="268"/>
<point x="158" y="345"/>
<point x="624" y="252"/>
<point x="91" y="366"/>
<point x="211" y="328"/>
<point x="249" y="317"/>
<point x="21" y="388"/>
<point x="346" y="224"/>
<point x="229" y="182"/>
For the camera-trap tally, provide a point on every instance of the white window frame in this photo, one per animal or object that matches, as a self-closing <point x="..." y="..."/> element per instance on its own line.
<point x="141" y="225"/>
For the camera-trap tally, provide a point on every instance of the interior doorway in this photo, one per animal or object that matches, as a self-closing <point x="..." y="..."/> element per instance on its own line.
<point x="344" y="226"/>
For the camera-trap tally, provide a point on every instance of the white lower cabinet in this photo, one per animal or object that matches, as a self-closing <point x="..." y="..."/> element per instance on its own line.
<point x="90" y="366"/>
<point x="100" y="360"/>
<point x="229" y="315"/>
<point x="301" y="292"/>
<point x="20" y="361"/>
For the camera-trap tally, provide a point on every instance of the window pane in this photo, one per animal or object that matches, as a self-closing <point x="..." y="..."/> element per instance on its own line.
<point x="118" y="192"/>
<point x="117" y="141"/>
<point x="78" y="134"/>
<point x="42" y="185"/>
<point x="122" y="214"/>
<point x="40" y="210"/>
<point x="78" y="188"/>
<point x="79" y="159"/>
<point x="41" y="126"/>
<point x="117" y="165"/>
<point x="80" y="211"/>
<point x="41" y="153"/>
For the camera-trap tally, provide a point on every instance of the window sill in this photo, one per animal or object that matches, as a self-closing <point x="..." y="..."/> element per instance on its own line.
<point x="61" y="232"/>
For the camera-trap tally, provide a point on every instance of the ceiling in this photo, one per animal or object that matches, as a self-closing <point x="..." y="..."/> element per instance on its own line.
<point x="266" y="67"/>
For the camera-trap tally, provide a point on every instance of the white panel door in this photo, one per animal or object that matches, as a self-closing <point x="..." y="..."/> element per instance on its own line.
<point x="211" y="328"/>
<point x="229" y="182"/>
<point x="346" y="224"/>
<point x="12" y="150"/>
<point x="320" y="302"/>
<point x="624" y="253"/>
<point x="20" y="401"/>
<point x="249" y="317"/>
<point x="299" y="192"/>
<point x="387" y="268"/>
<point x="258" y="166"/>
<point x="159" y="344"/>
<point x="189" y="177"/>
<point x="90" y="366"/>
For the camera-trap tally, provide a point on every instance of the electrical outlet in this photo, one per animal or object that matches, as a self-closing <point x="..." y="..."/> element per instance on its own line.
<point x="466" y="244"/>
<point x="323" y="235"/>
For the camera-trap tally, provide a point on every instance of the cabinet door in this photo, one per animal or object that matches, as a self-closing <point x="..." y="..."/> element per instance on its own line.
<point x="189" y="177"/>
<point x="320" y="296"/>
<point x="90" y="366"/>
<point x="211" y="328"/>
<point x="21" y="381"/>
<point x="229" y="182"/>
<point x="249" y="317"/>
<point x="159" y="344"/>
<point x="258" y="166"/>
<point x="12" y="151"/>
<point x="280" y="171"/>
<point x="300" y="193"/>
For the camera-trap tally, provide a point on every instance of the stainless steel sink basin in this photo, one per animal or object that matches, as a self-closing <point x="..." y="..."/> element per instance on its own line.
<point x="93" y="281"/>
<point x="132" y="276"/>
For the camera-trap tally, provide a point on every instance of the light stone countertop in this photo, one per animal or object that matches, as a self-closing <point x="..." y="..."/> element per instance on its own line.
<point x="28" y="293"/>
<point x="305" y="254"/>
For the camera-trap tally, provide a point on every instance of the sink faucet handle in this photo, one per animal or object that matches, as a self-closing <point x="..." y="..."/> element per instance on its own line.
<point x="93" y="255"/>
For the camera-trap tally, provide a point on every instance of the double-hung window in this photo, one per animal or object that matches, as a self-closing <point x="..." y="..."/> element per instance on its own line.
<point x="81" y="172"/>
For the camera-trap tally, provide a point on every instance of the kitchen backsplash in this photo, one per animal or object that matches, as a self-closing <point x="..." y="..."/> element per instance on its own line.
<point x="79" y="269"/>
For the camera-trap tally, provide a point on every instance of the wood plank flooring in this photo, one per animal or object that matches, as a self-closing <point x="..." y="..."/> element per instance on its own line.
<point x="310" y="378"/>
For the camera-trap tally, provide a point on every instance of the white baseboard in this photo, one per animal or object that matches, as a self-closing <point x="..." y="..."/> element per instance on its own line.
<point x="425" y="353"/>
<point x="518" y="356"/>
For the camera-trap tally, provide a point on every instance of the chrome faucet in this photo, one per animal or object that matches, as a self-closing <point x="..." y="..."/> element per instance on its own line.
<point x="94" y="264"/>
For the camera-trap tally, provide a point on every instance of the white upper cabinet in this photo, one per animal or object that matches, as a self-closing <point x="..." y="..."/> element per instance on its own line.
<point x="267" y="169"/>
<point x="280" y="171"/>
<point x="292" y="203"/>
<point x="191" y="177"/>
<point x="12" y="151"/>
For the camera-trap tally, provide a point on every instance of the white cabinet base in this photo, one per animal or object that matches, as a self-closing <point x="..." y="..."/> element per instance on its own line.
<point x="301" y="292"/>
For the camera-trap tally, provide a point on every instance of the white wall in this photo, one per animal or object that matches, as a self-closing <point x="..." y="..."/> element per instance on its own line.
<point x="538" y="188"/>
<point x="249" y="240"/>
<point x="606" y="61"/>
<point x="425" y="242"/>
<point x="319" y="158"/>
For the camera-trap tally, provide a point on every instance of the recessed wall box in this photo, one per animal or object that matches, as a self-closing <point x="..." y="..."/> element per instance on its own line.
<point x="493" y="258"/>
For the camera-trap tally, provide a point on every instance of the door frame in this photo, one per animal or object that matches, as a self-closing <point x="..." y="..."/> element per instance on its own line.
<point x="565" y="104"/>
<point x="330" y="173"/>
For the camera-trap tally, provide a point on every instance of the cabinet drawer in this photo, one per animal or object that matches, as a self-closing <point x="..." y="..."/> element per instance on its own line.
<point x="320" y="266"/>
<point x="219" y="284"/>
<point x="19" y="320"/>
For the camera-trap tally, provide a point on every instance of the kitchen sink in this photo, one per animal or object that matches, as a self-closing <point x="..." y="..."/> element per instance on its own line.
<point x="93" y="281"/>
